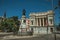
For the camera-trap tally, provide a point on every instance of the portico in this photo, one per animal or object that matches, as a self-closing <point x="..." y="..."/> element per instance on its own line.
<point x="41" y="21"/>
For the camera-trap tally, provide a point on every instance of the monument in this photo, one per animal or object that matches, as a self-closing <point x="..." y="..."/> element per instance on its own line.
<point x="23" y="27"/>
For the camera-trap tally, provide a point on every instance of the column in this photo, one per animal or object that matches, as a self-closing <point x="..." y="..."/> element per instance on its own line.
<point x="34" y="21"/>
<point x="40" y="21"/>
<point x="43" y="21"/>
<point x="37" y="21"/>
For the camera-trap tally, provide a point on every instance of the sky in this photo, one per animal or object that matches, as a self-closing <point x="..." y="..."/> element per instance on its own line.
<point x="15" y="7"/>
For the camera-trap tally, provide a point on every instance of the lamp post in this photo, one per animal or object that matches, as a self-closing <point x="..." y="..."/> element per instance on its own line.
<point x="54" y="20"/>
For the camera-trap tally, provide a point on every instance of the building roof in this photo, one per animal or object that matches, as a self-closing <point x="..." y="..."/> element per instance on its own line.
<point x="41" y="13"/>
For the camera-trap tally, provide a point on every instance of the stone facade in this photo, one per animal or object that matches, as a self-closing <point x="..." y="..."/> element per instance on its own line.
<point x="41" y="18"/>
<point x="42" y="22"/>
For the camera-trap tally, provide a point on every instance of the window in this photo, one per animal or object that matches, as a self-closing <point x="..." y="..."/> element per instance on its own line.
<point x="32" y="22"/>
<point x="50" y="21"/>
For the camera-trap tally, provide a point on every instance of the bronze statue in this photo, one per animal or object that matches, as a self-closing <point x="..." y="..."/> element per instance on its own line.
<point x="23" y="12"/>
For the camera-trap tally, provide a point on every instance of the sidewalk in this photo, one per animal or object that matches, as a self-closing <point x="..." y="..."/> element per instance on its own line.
<point x="6" y="32"/>
<point x="17" y="37"/>
<point x="2" y="34"/>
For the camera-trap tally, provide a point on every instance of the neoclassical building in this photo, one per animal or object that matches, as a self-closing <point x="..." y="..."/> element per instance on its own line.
<point x="41" y="18"/>
<point x="42" y="22"/>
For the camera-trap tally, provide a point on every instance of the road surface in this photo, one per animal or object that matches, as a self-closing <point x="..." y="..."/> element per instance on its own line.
<point x="38" y="37"/>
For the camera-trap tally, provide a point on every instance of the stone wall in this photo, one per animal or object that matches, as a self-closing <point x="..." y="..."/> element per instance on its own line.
<point x="42" y="30"/>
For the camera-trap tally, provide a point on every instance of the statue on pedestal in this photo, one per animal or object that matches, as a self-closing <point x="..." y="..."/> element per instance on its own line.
<point x="23" y="27"/>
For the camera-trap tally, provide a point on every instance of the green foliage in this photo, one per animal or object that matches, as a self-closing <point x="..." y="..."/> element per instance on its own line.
<point x="10" y="24"/>
<point x="15" y="18"/>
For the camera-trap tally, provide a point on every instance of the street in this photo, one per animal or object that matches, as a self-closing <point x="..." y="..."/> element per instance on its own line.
<point x="38" y="37"/>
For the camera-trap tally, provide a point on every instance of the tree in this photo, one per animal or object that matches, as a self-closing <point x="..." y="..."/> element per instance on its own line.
<point x="15" y="23"/>
<point x="4" y="26"/>
<point x="15" y="18"/>
<point x="10" y="24"/>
